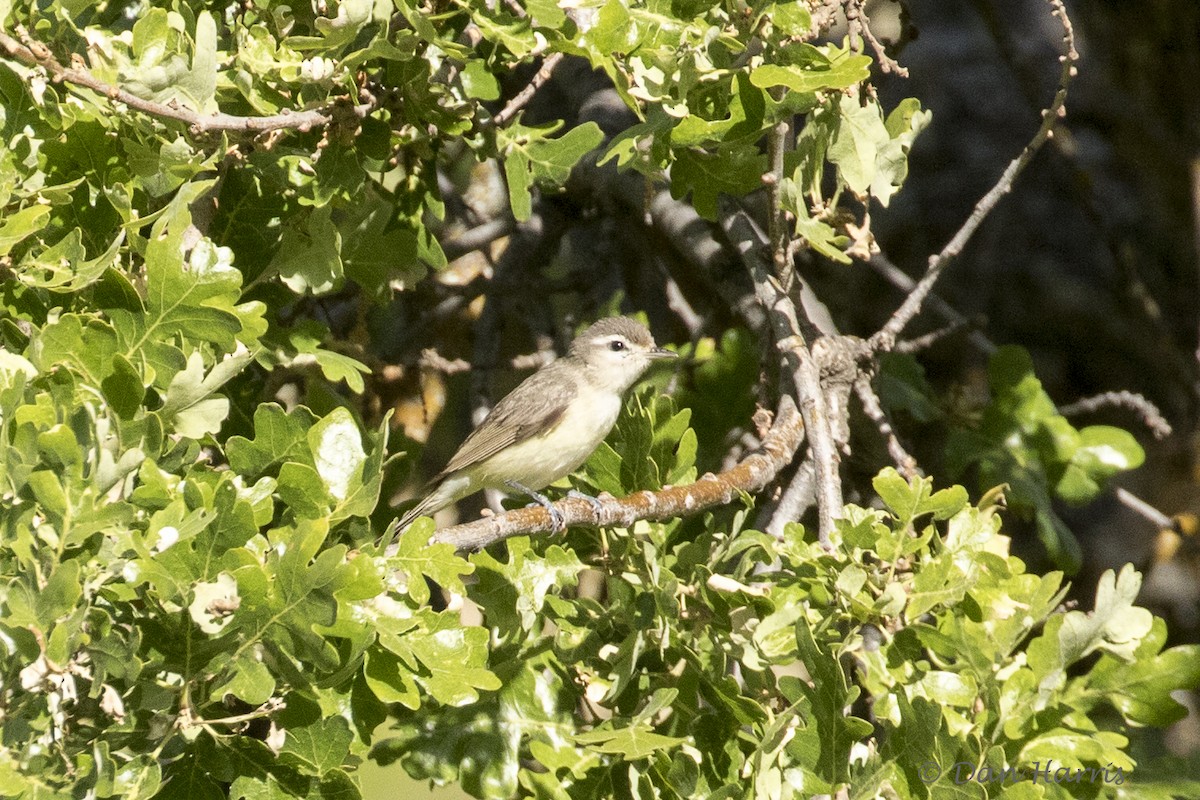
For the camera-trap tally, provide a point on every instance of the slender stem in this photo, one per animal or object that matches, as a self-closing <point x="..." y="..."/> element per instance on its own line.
<point x="526" y="94"/>
<point x="37" y="54"/>
<point x="772" y="288"/>
<point x="802" y="368"/>
<point x="1149" y="414"/>
<point x="1144" y="509"/>
<point x="799" y="496"/>
<point x="886" y="337"/>
<point x="777" y="220"/>
<point x="874" y="410"/>
<point x="478" y="237"/>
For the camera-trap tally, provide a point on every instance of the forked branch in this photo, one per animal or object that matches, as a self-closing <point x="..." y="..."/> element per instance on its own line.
<point x="809" y="375"/>
<point x="885" y="339"/>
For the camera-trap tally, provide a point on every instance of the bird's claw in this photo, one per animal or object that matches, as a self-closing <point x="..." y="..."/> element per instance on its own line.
<point x="558" y="524"/>
<point x="596" y="504"/>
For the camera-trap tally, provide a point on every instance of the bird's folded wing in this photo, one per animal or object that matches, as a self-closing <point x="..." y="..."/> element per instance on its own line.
<point x="534" y="407"/>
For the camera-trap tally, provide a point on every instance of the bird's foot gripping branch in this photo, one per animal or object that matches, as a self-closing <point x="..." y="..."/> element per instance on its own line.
<point x="549" y="425"/>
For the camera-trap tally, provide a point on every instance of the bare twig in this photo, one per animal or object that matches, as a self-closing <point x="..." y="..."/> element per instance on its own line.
<point x="885" y="338"/>
<point x="1144" y="509"/>
<point x="777" y="232"/>
<point x="751" y="475"/>
<point x="526" y="94"/>
<point x="814" y="316"/>
<point x="874" y="410"/>
<point x="919" y="343"/>
<point x="1082" y="183"/>
<point x="795" y="336"/>
<point x="823" y="17"/>
<point x="432" y="359"/>
<point x="773" y="292"/>
<point x="860" y="24"/>
<point x="272" y="706"/>
<point x="478" y="237"/>
<point x="799" y="496"/>
<point x="1149" y="414"/>
<point x="678" y="303"/>
<point x="681" y="228"/>
<point x="898" y="278"/>
<point x="37" y="54"/>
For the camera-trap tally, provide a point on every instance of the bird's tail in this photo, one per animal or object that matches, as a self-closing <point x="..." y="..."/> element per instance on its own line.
<point x="429" y="505"/>
<point x="449" y="490"/>
<point x="399" y="526"/>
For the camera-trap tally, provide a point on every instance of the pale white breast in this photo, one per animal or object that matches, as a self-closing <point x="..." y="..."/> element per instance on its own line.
<point x="544" y="459"/>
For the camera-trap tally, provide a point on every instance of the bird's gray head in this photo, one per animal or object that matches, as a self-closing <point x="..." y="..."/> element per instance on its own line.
<point x="617" y="350"/>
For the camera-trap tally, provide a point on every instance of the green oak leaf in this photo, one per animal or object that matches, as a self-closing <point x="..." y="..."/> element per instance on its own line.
<point x="439" y="562"/>
<point x="20" y="225"/>
<point x="279" y="437"/>
<point x="532" y="158"/>
<point x="309" y="258"/>
<point x="633" y="743"/>
<point x="732" y="170"/>
<point x="318" y="748"/>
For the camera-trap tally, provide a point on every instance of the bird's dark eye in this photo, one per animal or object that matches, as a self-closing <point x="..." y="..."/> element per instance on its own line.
<point x="616" y="345"/>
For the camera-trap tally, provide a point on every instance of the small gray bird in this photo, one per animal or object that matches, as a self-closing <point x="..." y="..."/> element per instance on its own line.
<point x="547" y="426"/>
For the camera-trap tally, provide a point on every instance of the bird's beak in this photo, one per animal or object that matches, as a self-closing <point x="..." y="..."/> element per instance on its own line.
<point x="662" y="352"/>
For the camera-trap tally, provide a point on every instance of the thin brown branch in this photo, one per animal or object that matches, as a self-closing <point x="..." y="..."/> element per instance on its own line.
<point x="796" y="338"/>
<point x="901" y="280"/>
<point x="35" y="54"/>
<point x="678" y="303"/>
<point x="1144" y="509"/>
<point x="432" y="359"/>
<point x="921" y="343"/>
<point x="1082" y="183"/>
<point x="267" y="709"/>
<point x="750" y="476"/>
<point x="859" y="24"/>
<point x="478" y="237"/>
<point x="1147" y="412"/>
<point x="885" y="339"/>
<point x="777" y="221"/>
<point x="874" y="410"/>
<point x="680" y="228"/>
<point x="526" y="94"/>
<point x="824" y="16"/>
